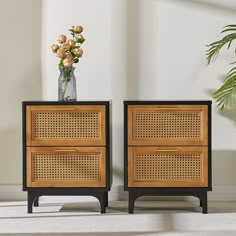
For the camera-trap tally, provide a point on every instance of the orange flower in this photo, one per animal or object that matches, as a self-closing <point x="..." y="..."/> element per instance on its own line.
<point x="78" y="29"/>
<point x="69" y="56"/>
<point x="67" y="62"/>
<point x="71" y="42"/>
<point x="60" y="52"/>
<point x="54" y="48"/>
<point x="80" y="37"/>
<point x="69" y="50"/>
<point x="66" y="46"/>
<point x="62" y="38"/>
<point x="78" y="52"/>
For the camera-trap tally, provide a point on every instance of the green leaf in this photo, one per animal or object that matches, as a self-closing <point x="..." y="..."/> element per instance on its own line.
<point x="77" y="40"/>
<point x="225" y="96"/>
<point x="228" y="30"/>
<point x="82" y="41"/>
<point x="229" y="26"/>
<point x="61" y="63"/>
<point x="215" y="47"/>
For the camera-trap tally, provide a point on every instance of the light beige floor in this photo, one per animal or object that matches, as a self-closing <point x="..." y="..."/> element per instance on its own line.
<point x="57" y="216"/>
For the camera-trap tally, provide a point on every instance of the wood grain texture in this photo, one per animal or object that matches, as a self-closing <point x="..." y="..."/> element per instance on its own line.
<point x="28" y="126"/>
<point x="168" y="166"/>
<point x="28" y="167"/>
<point x="66" y="167"/>
<point x="167" y="125"/>
<point x="66" y="125"/>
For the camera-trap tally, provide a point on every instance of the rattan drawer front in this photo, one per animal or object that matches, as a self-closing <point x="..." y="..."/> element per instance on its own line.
<point x="70" y="125"/>
<point x="167" y="125"/>
<point x="167" y="167"/>
<point x="66" y="167"/>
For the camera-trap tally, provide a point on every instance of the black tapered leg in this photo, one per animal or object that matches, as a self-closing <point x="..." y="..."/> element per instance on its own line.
<point x="200" y="203"/>
<point x="203" y="200"/>
<point x="204" y="203"/>
<point x="106" y="199"/>
<point x="132" y="198"/>
<point x="31" y="198"/>
<point x="103" y="202"/>
<point x="36" y="202"/>
<point x="102" y="199"/>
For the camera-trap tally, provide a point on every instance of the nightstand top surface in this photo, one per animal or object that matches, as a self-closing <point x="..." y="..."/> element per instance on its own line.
<point x="66" y="103"/>
<point x="166" y="102"/>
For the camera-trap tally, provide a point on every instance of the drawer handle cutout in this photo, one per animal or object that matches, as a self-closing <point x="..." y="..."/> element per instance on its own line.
<point x="66" y="108"/>
<point x="167" y="150"/>
<point x="168" y="108"/>
<point x="66" y="150"/>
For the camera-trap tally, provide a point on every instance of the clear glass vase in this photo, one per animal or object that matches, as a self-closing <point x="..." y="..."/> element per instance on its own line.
<point x="67" y="84"/>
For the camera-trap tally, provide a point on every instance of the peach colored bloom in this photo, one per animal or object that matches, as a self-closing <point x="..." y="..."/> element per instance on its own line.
<point x="62" y="38"/>
<point x="67" y="62"/>
<point x="68" y="49"/>
<point x="80" y="37"/>
<point x="60" y="52"/>
<point x="69" y="56"/>
<point x="78" y="52"/>
<point x="66" y="46"/>
<point x="78" y="29"/>
<point x="71" y="42"/>
<point x="54" y="48"/>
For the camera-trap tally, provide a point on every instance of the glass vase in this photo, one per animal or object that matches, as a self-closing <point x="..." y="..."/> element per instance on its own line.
<point x="67" y="84"/>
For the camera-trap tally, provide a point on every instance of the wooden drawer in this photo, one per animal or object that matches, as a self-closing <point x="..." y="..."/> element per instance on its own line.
<point x="168" y="166"/>
<point x="66" y="167"/>
<point x="167" y="125"/>
<point x="65" y="125"/>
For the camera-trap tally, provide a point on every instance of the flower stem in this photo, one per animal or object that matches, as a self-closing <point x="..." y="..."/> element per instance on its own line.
<point x="64" y="88"/>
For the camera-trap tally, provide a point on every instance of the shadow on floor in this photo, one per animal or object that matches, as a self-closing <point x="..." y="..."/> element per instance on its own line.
<point x="85" y="234"/>
<point x="115" y="208"/>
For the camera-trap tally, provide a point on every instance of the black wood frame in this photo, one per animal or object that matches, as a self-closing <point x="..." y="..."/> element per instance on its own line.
<point x="199" y="192"/>
<point x="101" y="193"/>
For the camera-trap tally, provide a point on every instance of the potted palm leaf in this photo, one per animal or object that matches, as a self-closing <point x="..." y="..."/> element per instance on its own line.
<point x="225" y="96"/>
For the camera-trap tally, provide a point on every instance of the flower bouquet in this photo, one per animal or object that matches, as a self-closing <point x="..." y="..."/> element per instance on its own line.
<point x="68" y="51"/>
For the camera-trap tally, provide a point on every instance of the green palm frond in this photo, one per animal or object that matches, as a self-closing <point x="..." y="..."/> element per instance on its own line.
<point x="215" y="47"/>
<point x="226" y="95"/>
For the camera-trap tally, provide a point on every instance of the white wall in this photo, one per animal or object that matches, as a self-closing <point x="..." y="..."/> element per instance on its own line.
<point x="136" y="49"/>
<point x="20" y="24"/>
<point x="93" y="72"/>
<point x="146" y="49"/>
<point x="183" y="30"/>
